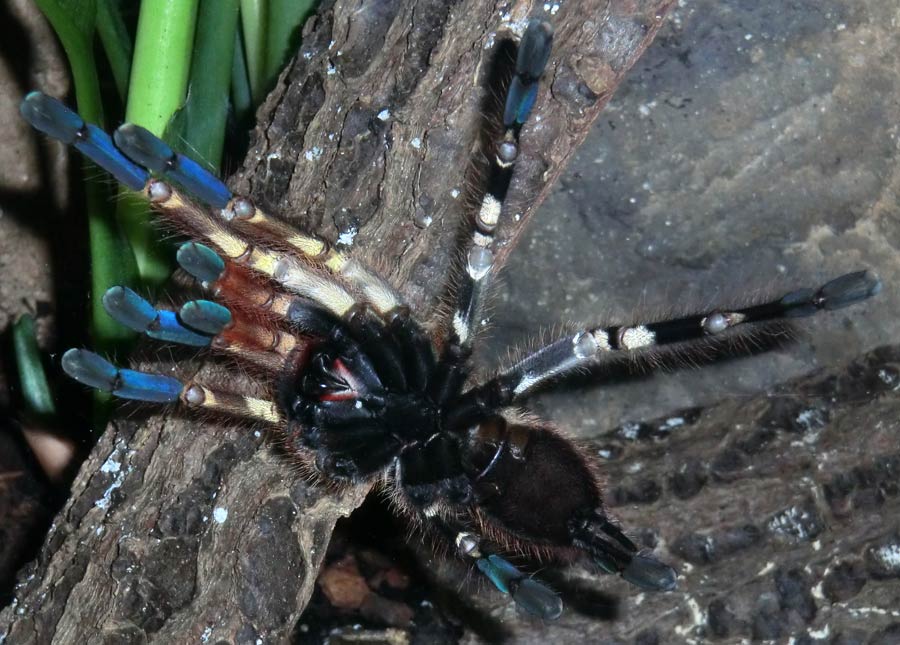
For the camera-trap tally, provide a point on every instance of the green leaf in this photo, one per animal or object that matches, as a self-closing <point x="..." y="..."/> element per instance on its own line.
<point x="159" y="76"/>
<point x="116" y="43"/>
<point x="198" y="128"/>
<point x="253" y="23"/>
<point x="285" y="22"/>
<point x="111" y="259"/>
<point x="240" y="83"/>
<point x="33" y="380"/>
<point x="73" y="21"/>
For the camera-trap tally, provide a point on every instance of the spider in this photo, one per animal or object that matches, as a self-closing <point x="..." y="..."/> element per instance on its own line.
<point x="362" y="391"/>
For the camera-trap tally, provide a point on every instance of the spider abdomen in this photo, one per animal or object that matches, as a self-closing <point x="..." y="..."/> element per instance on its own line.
<point x="517" y="468"/>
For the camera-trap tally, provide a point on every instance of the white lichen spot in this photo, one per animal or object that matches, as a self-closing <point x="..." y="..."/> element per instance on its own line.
<point x="811" y="419"/>
<point x="104" y="500"/>
<point x="889" y="556"/>
<point x="257" y="434"/>
<point x="629" y="430"/>
<point x="605" y="454"/>
<point x="313" y="154"/>
<point x="769" y="567"/>
<point x="111" y="465"/>
<point x="820" y="634"/>
<point x="888" y="378"/>
<point x="672" y="423"/>
<point x="454" y="193"/>
<point x="307" y="55"/>
<point x="384" y="115"/>
<point x="204" y="637"/>
<point x="644" y="108"/>
<point x="697" y="618"/>
<point x="346" y="238"/>
<point x="220" y="514"/>
<point x="416" y="143"/>
<point x="793" y="522"/>
<point x="817" y="592"/>
<point x="331" y="70"/>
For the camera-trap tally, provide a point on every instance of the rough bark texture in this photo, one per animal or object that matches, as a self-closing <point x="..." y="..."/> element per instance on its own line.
<point x="178" y="530"/>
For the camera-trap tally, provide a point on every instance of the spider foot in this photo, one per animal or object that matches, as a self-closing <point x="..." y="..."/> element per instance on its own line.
<point x="841" y="292"/>
<point x="151" y="152"/>
<point x="649" y="573"/>
<point x="53" y="118"/>
<point x="529" y="594"/>
<point x="93" y="370"/>
<point x="131" y="310"/>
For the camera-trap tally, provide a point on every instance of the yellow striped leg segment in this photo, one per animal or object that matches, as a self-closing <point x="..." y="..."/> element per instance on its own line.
<point x="285" y="270"/>
<point x="200" y="397"/>
<point x="383" y="297"/>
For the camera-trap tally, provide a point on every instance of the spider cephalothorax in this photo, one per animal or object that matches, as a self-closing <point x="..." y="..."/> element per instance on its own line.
<point x="363" y="391"/>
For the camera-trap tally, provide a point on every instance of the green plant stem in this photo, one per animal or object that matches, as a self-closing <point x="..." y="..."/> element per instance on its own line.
<point x="285" y="21"/>
<point x="253" y="23"/>
<point x="159" y="76"/>
<point x="33" y="380"/>
<point x="116" y="43"/>
<point x="199" y="126"/>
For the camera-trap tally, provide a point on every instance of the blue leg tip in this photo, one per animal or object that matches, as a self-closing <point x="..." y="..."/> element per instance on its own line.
<point x="200" y="261"/>
<point x="93" y="370"/>
<point x="205" y="316"/>
<point x="145" y="148"/>
<point x="51" y="117"/>
<point x="129" y="309"/>
<point x="90" y="369"/>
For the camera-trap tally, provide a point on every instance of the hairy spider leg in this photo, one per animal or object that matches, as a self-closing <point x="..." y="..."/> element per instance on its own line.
<point x="588" y="347"/>
<point x="529" y="594"/>
<point x="133" y="151"/>
<point x="612" y="551"/>
<point x="531" y="59"/>
<point x="306" y="280"/>
<point x="95" y="371"/>
<point x="478" y="269"/>
<point x="243" y="212"/>
<point x="149" y="151"/>
<point x="131" y="310"/>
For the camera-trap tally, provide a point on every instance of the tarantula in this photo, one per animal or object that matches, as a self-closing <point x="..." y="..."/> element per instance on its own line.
<point x="361" y="390"/>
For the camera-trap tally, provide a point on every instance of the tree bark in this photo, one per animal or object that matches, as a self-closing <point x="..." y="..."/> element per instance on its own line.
<point x="180" y="529"/>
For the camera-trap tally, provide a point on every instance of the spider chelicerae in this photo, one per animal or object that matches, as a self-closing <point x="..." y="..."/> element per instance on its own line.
<point x="360" y="390"/>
